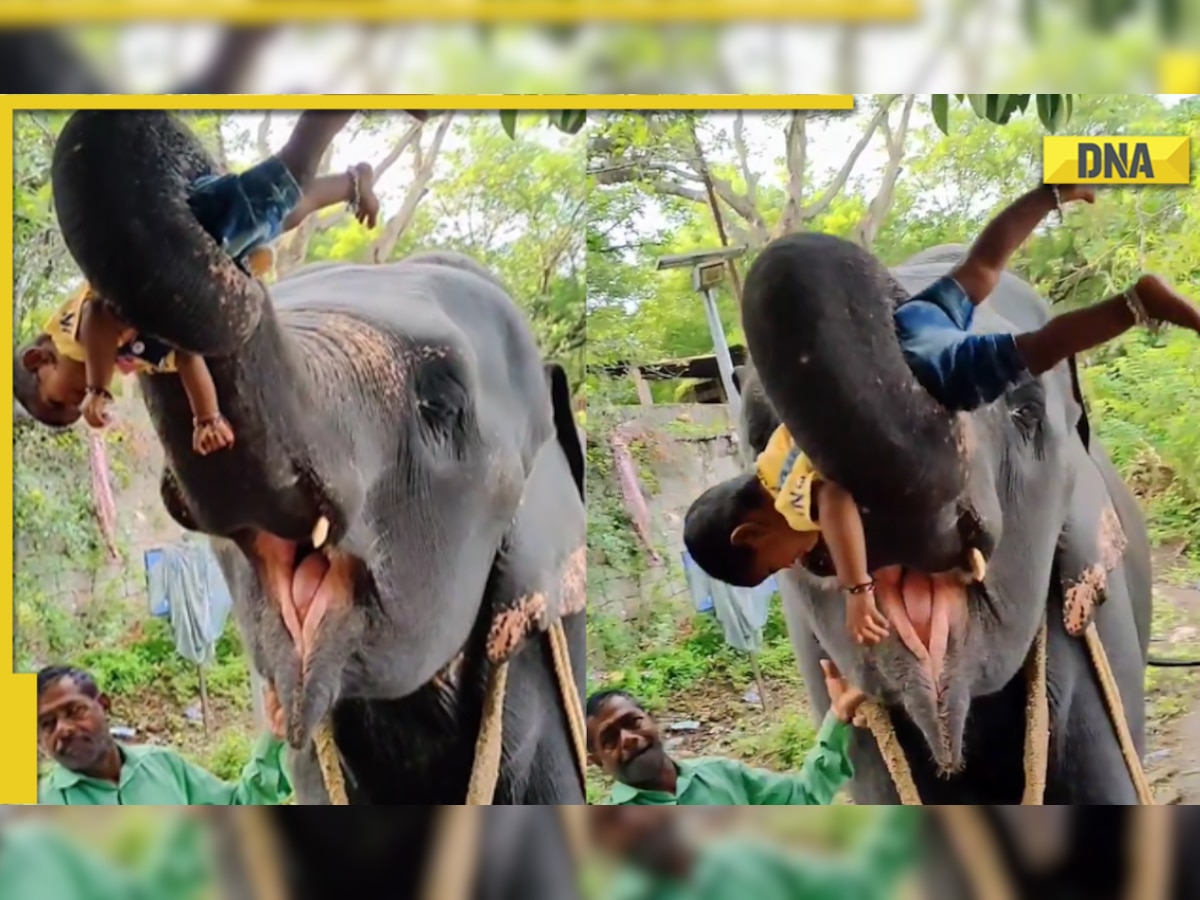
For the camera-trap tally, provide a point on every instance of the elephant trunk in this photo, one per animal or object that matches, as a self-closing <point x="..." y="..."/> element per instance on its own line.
<point x="120" y="182"/>
<point x="840" y="383"/>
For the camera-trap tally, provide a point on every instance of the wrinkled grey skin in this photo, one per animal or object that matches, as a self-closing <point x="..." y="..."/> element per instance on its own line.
<point x="406" y="403"/>
<point x="1040" y="493"/>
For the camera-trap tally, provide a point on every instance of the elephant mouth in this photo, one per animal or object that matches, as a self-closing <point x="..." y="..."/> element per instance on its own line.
<point x="313" y="591"/>
<point x="924" y="610"/>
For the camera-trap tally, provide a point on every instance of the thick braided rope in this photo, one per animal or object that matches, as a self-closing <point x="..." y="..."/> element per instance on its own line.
<point x="1116" y="712"/>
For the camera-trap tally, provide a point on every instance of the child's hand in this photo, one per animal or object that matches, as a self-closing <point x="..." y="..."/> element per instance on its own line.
<point x="866" y="623"/>
<point x="211" y="435"/>
<point x="844" y="700"/>
<point x="96" y="410"/>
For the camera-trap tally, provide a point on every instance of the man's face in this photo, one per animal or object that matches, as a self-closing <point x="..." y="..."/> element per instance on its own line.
<point x="625" y="742"/>
<point x="72" y="727"/>
<point x="645" y="836"/>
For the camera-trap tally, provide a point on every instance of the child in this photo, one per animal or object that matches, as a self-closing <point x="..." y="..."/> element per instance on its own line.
<point x="67" y="369"/>
<point x="743" y="530"/>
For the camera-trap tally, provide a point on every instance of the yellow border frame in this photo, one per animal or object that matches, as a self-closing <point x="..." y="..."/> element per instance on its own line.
<point x="418" y="12"/>
<point x="18" y="694"/>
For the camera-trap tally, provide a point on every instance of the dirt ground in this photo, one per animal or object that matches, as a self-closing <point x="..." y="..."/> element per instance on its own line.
<point x="725" y="720"/>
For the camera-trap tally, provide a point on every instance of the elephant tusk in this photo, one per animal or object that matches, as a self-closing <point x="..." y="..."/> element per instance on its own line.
<point x="320" y="533"/>
<point x="978" y="564"/>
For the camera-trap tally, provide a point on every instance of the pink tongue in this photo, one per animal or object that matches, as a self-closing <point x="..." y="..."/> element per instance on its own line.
<point x="305" y="582"/>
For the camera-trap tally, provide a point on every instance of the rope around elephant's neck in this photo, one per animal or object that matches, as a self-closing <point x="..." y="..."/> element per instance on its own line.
<point x="485" y="771"/>
<point x="1116" y="712"/>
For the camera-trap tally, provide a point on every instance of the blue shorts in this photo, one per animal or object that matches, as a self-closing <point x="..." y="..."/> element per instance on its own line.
<point x="961" y="370"/>
<point x="244" y="212"/>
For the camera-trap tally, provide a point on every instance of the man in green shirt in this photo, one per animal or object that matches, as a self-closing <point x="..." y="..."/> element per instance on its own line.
<point x="659" y="863"/>
<point x="624" y="741"/>
<point x="92" y="769"/>
<point x="39" y="859"/>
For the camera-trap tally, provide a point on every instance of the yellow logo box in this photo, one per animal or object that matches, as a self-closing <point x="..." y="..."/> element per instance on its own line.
<point x="1116" y="160"/>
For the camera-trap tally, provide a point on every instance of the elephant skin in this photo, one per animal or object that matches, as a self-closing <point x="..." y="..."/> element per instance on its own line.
<point x="1042" y="499"/>
<point x="408" y="406"/>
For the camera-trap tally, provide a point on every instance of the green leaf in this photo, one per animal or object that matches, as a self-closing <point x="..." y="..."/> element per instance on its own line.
<point x="979" y="104"/>
<point x="1069" y="105"/>
<point x="996" y="104"/>
<point x="573" y="120"/>
<point x="941" y="112"/>
<point x="1047" y="107"/>
<point x="508" y="121"/>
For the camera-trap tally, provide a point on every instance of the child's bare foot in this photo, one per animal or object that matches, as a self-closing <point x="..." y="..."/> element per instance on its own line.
<point x="211" y="435"/>
<point x="367" y="210"/>
<point x="866" y="623"/>
<point x="1164" y="303"/>
<point x="1069" y="193"/>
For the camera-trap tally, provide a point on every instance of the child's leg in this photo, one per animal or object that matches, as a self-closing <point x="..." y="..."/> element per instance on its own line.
<point x="310" y="139"/>
<point x="979" y="273"/>
<point x="841" y="526"/>
<point x="211" y="430"/>
<point x="1082" y="329"/>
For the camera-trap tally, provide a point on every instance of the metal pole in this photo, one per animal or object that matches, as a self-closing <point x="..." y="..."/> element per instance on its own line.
<point x="724" y="360"/>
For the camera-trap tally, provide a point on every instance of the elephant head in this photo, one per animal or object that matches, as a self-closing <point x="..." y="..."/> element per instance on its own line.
<point x="402" y="508"/>
<point x="1012" y="479"/>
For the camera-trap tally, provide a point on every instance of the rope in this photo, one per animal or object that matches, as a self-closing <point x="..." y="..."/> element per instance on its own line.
<point x="452" y="866"/>
<point x="261" y="856"/>
<point x="567" y="692"/>
<point x="974" y="846"/>
<point x="485" y="773"/>
<point x="1116" y="712"/>
<point x="331" y="764"/>
<point x="880" y="725"/>
<point x="1037" y="723"/>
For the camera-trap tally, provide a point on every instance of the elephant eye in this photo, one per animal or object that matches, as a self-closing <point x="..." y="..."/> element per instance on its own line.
<point x="442" y="399"/>
<point x="1027" y="409"/>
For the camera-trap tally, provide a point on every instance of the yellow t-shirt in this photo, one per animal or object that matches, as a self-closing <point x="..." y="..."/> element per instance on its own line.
<point x="134" y="354"/>
<point x="788" y="475"/>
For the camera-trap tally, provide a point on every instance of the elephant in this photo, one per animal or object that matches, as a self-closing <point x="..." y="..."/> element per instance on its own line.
<point x="1022" y="479"/>
<point x="405" y="464"/>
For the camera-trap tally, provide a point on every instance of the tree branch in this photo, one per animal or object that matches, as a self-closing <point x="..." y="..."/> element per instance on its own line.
<point x="839" y="181"/>
<point x="423" y="163"/>
<point x="868" y="228"/>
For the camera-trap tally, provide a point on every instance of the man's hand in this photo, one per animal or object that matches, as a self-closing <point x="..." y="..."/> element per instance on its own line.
<point x="844" y="700"/>
<point x="274" y="709"/>
<point x="95" y="409"/>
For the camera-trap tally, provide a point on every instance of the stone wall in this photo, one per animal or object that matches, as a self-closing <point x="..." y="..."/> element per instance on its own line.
<point x="690" y="447"/>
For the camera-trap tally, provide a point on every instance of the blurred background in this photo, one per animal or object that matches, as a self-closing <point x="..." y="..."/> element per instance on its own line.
<point x="1087" y="45"/>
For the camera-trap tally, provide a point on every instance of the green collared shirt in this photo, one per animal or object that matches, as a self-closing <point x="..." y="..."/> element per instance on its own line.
<point x="727" y="782"/>
<point x="740" y="868"/>
<point x="156" y="776"/>
<point x="41" y="862"/>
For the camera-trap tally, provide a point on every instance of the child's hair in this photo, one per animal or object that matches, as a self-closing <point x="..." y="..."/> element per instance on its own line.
<point x="25" y="388"/>
<point x="710" y="521"/>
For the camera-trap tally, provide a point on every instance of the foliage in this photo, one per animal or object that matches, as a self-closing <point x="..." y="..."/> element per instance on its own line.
<point x="1053" y="110"/>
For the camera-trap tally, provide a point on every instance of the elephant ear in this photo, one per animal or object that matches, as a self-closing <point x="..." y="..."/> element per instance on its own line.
<point x="565" y="428"/>
<point x="540" y="572"/>
<point x="1091" y="546"/>
<point x="1082" y="426"/>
